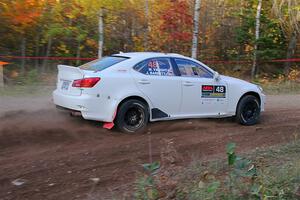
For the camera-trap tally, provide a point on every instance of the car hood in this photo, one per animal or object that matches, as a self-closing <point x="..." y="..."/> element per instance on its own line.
<point x="232" y="80"/>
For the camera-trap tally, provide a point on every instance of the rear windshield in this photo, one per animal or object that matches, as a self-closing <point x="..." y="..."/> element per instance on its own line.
<point x="101" y="64"/>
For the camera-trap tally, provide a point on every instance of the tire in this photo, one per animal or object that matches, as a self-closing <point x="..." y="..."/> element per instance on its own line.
<point x="248" y="110"/>
<point x="132" y="116"/>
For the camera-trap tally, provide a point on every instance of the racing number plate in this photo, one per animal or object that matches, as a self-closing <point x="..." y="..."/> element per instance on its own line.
<point x="213" y="91"/>
<point x="65" y="85"/>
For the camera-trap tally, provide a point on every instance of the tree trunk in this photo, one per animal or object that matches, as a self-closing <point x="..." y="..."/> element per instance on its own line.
<point x="196" y="28"/>
<point x="147" y="25"/>
<point x="48" y="51"/>
<point x="37" y="51"/>
<point x="1" y="76"/>
<point x="203" y="46"/>
<point x="241" y="46"/>
<point x="290" y="51"/>
<point x="78" y="52"/>
<point x="222" y="45"/>
<point x="254" y="70"/>
<point x="23" y="54"/>
<point x="101" y="35"/>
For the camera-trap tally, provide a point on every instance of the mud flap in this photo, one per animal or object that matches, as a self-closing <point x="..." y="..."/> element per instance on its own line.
<point x="110" y="125"/>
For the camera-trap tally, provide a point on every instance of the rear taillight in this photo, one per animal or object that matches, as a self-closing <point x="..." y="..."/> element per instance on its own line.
<point x="86" y="82"/>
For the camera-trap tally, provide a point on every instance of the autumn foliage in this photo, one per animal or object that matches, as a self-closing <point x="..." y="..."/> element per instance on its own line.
<point x="70" y="28"/>
<point x="176" y="27"/>
<point x="24" y="13"/>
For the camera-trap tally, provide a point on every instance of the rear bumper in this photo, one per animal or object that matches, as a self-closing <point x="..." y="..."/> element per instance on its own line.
<point x="90" y="106"/>
<point x="69" y="111"/>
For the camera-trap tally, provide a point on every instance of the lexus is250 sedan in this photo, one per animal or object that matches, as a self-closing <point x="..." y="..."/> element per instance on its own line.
<point x="130" y="89"/>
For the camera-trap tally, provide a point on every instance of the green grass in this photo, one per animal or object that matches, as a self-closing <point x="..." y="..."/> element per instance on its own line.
<point x="287" y="87"/>
<point x="278" y="177"/>
<point x="271" y="173"/>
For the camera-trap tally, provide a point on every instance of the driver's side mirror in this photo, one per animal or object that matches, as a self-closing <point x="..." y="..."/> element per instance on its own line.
<point x="217" y="76"/>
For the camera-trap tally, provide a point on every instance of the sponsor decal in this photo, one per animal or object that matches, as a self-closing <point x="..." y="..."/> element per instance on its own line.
<point x="159" y="67"/>
<point x="153" y="68"/>
<point x="213" y="91"/>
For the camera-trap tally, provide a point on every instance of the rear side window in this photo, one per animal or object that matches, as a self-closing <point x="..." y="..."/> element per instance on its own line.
<point x="191" y="69"/>
<point x="156" y="67"/>
<point x="101" y="64"/>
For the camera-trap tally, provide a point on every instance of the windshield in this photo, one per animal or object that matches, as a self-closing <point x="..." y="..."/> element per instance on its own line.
<point x="101" y="64"/>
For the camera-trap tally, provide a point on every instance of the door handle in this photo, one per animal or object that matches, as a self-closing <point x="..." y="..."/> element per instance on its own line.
<point x="188" y="83"/>
<point x="144" y="82"/>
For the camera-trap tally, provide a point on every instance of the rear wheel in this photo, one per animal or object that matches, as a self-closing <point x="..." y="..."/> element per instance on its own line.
<point x="248" y="110"/>
<point x="132" y="116"/>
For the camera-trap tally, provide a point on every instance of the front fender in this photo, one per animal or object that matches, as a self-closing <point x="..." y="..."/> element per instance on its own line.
<point x="238" y="88"/>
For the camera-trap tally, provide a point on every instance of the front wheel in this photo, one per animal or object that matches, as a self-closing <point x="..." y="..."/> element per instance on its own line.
<point x="248" y="110"/>
<point x="132" y="116"/>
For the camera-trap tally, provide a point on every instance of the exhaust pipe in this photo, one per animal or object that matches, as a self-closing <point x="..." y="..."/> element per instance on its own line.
<point x="75" y="114"/>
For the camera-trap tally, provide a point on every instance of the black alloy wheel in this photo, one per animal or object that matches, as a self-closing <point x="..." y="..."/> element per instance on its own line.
<point x="132" y="116"/>
<point x="248" y="110"/>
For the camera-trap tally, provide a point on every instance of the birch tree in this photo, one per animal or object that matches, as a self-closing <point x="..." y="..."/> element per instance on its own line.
<point x="257" y="26"/>
<point x="95" y="9"/>
<point x="147" y="25"/>
<point x="101" y="35"/>
<point x="196" y="29"/>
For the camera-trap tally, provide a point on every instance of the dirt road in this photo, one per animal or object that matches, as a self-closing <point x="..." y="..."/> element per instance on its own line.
<point x="56" y="156"/>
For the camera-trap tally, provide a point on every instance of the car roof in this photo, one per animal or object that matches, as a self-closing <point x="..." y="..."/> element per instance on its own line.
<point x="145" y="55"/>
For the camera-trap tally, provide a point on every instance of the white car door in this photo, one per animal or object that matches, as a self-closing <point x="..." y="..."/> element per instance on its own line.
<point x="202" y="95"/>
<point x="156" y="79"/>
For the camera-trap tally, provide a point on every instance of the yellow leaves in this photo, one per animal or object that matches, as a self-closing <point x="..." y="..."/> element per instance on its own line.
<point x="248" y="48"/>
<point x="138" y="43"/>
<point x="294" y="75"/>
<point x="91" y="43"/>
<point x="276" y="39"/>
<point x="63" y="49"/>
<point x="91" y="7"/>
<point x="70" y="15"/>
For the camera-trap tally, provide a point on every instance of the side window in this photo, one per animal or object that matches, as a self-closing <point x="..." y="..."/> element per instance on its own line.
<point x="156" y="67"/>
<point x="192" y="69"/>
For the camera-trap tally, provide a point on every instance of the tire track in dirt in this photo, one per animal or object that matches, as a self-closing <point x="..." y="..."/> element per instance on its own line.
<point x="57" y="154"/>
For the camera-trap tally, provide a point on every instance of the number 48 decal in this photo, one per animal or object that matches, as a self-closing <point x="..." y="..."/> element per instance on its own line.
<point x="220" y="89"/>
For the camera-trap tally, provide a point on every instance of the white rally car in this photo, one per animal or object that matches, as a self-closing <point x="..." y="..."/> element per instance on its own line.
<point x="131" y="89"/>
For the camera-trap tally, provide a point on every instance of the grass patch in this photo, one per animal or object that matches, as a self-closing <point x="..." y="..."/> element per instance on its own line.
<point x="286" y="87"/>
<point x="26" y="90"/>
<point x="272" y="173"/>
<point x="32" y="83"/>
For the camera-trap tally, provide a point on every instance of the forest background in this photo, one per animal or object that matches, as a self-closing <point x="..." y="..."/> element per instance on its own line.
<point x="236" y="37"/>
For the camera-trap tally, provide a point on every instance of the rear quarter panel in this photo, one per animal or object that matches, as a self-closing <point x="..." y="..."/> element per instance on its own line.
<point x="116" y="84"/>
